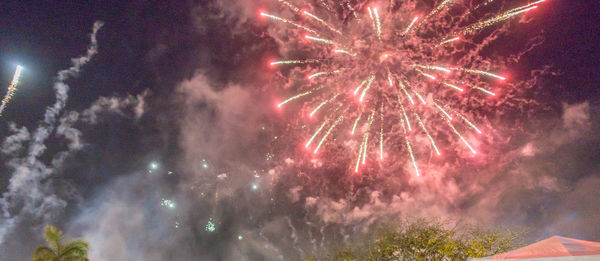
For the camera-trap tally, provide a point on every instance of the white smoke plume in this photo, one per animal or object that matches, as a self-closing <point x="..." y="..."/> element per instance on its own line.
<point x="115" y="105"/>
<point x="27" y="193"/>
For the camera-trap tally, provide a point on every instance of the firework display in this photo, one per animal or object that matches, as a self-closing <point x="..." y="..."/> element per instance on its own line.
<point x="11" y="89"/>
<point x="375" y="70"/>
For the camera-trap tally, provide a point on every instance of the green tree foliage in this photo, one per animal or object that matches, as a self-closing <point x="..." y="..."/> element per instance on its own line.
<point x="75" y="250"/>
<point x="423" y="240"/>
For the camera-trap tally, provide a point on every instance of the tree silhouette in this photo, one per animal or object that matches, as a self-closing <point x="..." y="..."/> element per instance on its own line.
<point x="75" y="250"/>
<point x="422" y="240"/>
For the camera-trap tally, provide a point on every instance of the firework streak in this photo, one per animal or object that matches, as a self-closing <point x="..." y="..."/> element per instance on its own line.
<point x="11" y="89"/>
<point x="381" y="76"/>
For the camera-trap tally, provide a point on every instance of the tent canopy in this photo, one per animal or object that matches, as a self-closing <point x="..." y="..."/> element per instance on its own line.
<point x="552" y="248"/>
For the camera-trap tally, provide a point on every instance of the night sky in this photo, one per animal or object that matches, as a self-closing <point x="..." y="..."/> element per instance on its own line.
<point x="184" y="85"/>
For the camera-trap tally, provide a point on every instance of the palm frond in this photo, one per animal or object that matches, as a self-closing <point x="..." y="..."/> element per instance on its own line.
<point x="53" y="236"/>
<point x="43" y="253"/>
<point x="74" y="258"/>
<point x="76" y="248"/>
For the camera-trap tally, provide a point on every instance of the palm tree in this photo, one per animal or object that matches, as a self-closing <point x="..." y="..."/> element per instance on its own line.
<point x="75" y="250"/>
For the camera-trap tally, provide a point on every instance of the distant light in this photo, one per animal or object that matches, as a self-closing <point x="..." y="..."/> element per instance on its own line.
<point x="210" y="226"/>
<point x="167" y="203"/>
<point x="240" y="237"/>
<point x="204" y="165"/>
<point x="153" y="165"/>
<point x="269" y="156"/>
<point x="254" y="186"/>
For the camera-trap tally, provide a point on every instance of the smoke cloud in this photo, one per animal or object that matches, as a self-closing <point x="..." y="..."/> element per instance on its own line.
<point x="230" y="160"/>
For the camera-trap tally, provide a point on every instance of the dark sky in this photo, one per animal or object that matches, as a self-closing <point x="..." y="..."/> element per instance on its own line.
<point x="182" y="83"/>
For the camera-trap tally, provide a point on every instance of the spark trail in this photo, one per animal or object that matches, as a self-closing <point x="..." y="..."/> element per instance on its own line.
<point x="12" y="88"/>
<point x="387" y="61"/>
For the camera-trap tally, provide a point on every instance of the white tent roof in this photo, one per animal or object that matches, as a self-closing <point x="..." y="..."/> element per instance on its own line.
<point x="555" y="248"/>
